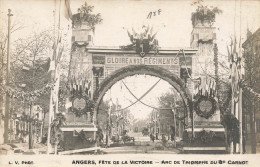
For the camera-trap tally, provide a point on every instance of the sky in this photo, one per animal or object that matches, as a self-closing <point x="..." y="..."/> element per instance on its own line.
<point x="173" y="23"/>
<point x="173" y="26"/>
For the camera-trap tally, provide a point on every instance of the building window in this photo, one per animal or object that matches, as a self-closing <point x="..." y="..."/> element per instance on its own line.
<point x="89" y="37"/>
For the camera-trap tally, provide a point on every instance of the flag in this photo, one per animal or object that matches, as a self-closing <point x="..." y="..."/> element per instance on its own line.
<point x="203" y="87"/>
<point x="68" y="103"/>
<point x="213" y="88"/>
<point x="54" y="69"/>
<point x="88" y="88"/>
<point x="229" y="55"/>
<point x="71" y="86"/>
<point x="210" y="87"/>
<point x="60" y="51"/>
<point x="67" y="10"/>
<point x="235" y="51"/>
<point x="55" y="91"/>
<point x="53" y="57"/>
<point x="206" y="87"/>
<point x="196" y="89"/>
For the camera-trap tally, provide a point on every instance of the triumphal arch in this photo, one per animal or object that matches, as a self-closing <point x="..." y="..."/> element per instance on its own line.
<point x="94" y="69"/>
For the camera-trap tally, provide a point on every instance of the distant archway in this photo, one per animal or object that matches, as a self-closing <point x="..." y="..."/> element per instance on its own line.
<point x="131" y="70"/>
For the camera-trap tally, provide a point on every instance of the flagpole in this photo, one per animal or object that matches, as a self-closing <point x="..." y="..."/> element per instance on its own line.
<point x="7" y="97"/>
<point x="51" y="96"/>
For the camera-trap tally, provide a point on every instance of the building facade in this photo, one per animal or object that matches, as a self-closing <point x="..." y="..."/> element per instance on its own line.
<point x="251" y="104"/>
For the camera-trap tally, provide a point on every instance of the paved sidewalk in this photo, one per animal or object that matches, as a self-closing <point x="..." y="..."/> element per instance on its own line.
<point x="23" y="148"/>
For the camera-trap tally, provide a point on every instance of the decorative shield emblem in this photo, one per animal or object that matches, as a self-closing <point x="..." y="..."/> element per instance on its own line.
<point x="79" y="103"/>
<point x="205" y="106"/>
<point x="142" y="47"/>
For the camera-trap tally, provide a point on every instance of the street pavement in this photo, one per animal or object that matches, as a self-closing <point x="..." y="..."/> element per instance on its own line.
<point x="139" y="137"/>
<point x="143" y="145"/>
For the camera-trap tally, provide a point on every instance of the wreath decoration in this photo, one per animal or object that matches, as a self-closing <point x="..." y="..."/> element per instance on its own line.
<point x="25" y="95"/>
<point x="81" y="105"/>
<point x="202" y="110"/>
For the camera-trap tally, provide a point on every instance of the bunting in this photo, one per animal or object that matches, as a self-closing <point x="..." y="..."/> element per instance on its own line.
<point x="55" y="58"/>
<point x="79" y="86"/>
<point x="67" y="10"/>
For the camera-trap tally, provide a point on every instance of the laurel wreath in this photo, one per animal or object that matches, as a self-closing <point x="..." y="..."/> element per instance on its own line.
<point x="209" y="113"/>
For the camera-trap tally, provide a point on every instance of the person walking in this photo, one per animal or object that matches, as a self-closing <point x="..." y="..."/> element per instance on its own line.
<point x="152" y="137"/>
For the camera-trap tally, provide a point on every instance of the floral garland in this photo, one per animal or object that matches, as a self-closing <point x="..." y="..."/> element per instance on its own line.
<point x="25" y="96"/>
<point x="206" y="114"/>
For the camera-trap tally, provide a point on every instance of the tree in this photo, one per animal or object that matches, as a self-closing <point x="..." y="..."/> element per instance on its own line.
<point x="172" y="106"/>
<point x="111" y="115"/>
<point x="3" y="60"/>
<point x="102" y="115"/>
<point x="29" y="73"/>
